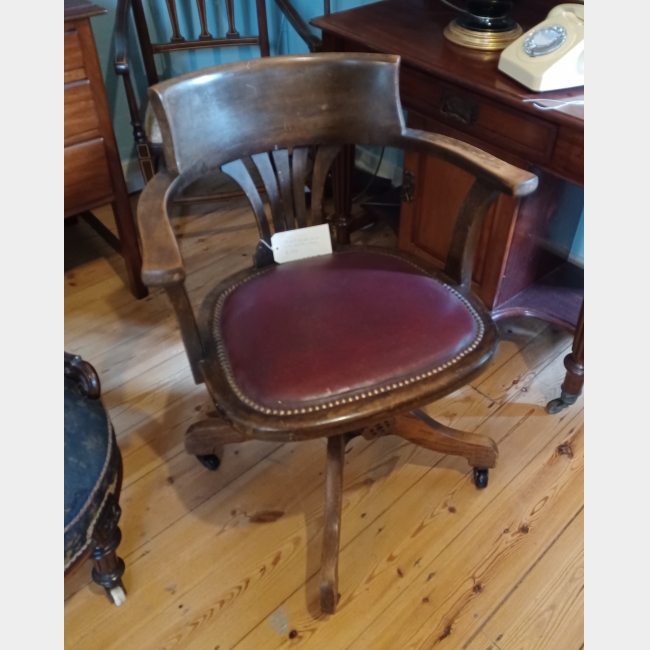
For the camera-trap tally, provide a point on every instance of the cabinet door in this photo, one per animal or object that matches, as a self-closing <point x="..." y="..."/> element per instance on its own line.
<point x="428" y="218"/>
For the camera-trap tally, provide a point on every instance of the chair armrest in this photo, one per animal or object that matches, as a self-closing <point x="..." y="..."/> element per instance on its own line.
<point x="503" y="176"/>
<point x="120" y="37"/>
<point x="162" y="264"/>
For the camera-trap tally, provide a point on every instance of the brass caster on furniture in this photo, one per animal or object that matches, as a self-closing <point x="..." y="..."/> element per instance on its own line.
<point x="209" y="461"/>
<point x="480" y="477"/>
<point x="562" y="402"/>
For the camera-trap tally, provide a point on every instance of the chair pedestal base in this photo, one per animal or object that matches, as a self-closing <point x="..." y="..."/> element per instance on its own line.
<point x="329" y="585"/>
<point x="424" y="431"/>
<point x="209" y="436"/>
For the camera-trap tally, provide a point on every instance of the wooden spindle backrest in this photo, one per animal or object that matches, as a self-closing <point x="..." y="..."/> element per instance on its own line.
<point x="277" y="112"/>
<point x="189" y="38"/>
<point x="284" y="173"/>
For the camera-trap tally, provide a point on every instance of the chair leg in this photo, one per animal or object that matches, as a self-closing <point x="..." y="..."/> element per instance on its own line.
<point x="480" y="451"/>
<point x="329" y="594"/>
<point x="205" y="439"/>
<point x="109" y="568"/>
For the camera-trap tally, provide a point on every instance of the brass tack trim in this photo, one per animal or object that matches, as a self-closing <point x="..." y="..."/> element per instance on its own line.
<point x="223" y="357"/>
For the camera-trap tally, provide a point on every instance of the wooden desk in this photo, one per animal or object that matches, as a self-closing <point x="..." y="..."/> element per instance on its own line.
<point x="92" y="168"/>
<point x="460" y="92"/>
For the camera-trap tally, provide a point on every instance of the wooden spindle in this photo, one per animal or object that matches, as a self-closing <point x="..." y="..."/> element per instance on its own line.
<point x="176" y="32"/>
<point x="230" y="8"/>
<point x="265" y="168"/>
<point x="263" y="29"/>
<point x="205" y="34"/>
<point x="324" y="157"/>
<point x="145" y="42"/>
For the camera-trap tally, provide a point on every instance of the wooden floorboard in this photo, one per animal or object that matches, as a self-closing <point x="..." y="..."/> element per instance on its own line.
<point x="545" y="610"/>
<point x="426" y="560"/>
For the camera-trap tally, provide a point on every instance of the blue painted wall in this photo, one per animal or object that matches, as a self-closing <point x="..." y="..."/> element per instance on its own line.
<point x="567" y="234"/>
<point x="567" y="227"/>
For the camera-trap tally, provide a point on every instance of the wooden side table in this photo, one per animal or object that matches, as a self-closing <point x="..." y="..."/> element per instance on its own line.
<point x="92" y="167"/>
<point x="459" y="92"/>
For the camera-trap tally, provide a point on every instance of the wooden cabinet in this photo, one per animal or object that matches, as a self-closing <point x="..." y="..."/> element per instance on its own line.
<point x="92" y="168"/>
<point x="87" y="178"/>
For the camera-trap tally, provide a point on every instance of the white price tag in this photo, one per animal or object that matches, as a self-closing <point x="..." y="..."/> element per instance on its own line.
<point x="301" y="243"/>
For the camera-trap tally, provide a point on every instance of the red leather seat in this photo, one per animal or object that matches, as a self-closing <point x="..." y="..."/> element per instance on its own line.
<point x="337" y="328"/>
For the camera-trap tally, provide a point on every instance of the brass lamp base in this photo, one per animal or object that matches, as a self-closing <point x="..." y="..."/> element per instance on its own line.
<point x="481" y="40"/>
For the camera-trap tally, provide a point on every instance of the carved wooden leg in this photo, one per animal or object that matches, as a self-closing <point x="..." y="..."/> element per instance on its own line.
<point x="205" y="439"/>
<point x="329" y="593"/>
<point x="480" y="451"/>
<point x="109" y="568"/>
<point x="575" y="366"/>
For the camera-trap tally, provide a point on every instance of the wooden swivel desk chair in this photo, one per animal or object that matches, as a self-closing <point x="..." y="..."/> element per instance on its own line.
<point x="337" y="345"/>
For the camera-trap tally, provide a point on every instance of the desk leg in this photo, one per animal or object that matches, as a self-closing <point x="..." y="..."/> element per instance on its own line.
<point x="575" y="366"/>
<point x="342" y="185"/>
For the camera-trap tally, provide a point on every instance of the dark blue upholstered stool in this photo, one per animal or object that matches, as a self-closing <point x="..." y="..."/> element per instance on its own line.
<point x="93" y="478"/>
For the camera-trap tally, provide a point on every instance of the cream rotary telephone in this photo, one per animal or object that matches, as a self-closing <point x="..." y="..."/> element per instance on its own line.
<point x="550" y="56"/>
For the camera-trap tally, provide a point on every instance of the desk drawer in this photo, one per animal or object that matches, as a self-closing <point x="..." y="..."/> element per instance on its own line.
<point x="73" y="59"/>
<point x="80" y="120"/>
<point x="87" y="179"/>
<point x="479" y="117"/>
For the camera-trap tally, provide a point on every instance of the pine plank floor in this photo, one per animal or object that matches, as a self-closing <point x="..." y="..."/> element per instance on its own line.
<point x="426" y="560"/>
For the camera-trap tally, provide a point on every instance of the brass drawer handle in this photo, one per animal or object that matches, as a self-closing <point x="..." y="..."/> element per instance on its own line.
<point x="459" y="109"/>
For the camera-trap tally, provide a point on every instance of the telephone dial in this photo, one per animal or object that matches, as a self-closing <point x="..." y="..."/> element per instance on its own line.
<point x="550" y="56"/>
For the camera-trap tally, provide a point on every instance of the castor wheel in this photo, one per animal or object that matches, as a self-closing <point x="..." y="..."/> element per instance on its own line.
<point x="562" y="402"/>
<point x="480" y="477"/>
<point x="210" y="461"/>
<point x="117" y="594"/>
<point x="555" y="406"/>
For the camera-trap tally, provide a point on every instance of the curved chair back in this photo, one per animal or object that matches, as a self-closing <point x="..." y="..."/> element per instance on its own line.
<point x="219" y="114"/>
